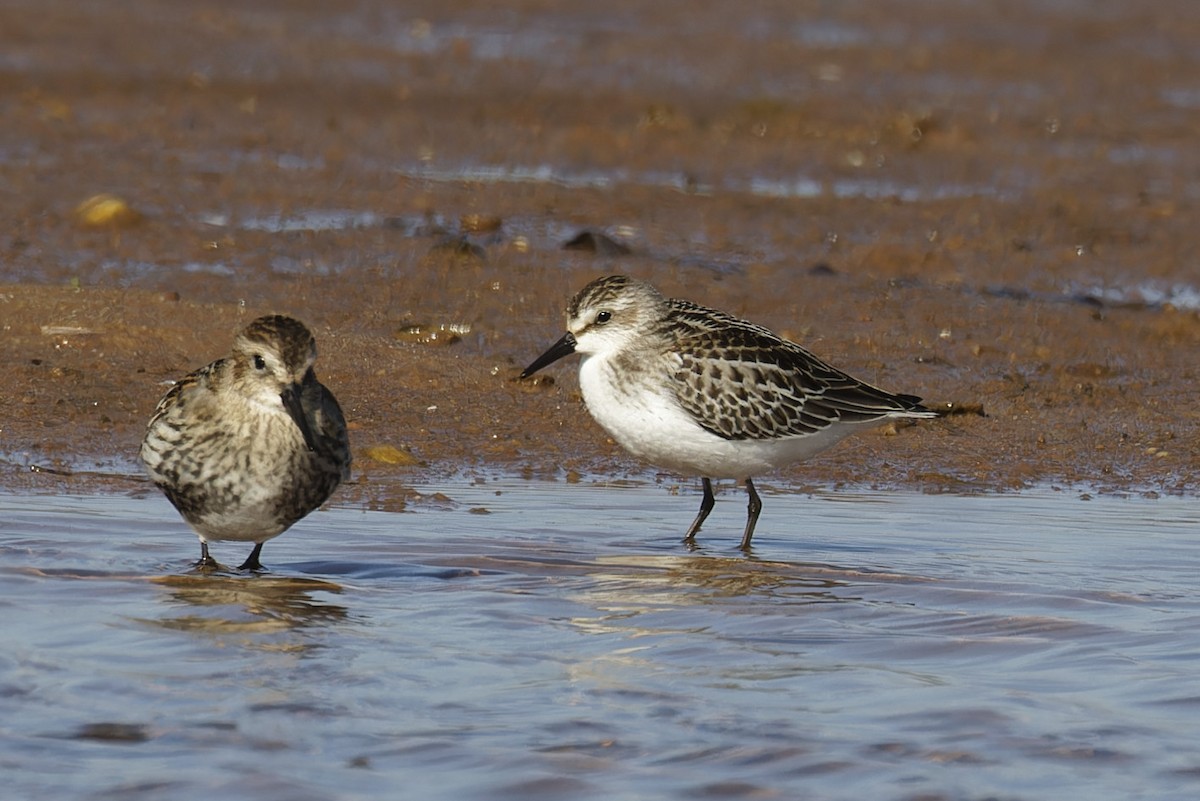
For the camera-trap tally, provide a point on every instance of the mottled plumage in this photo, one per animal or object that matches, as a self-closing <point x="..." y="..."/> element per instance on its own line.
<point x="700" y="391"/>
<point x="251" y="443"/>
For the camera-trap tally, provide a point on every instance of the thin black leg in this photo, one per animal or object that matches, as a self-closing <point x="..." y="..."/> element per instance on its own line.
<point x="706" y="505"/>
<point x="205" y="559"/>
<point x="752" y="511"/>
<point x="252" y="562"/>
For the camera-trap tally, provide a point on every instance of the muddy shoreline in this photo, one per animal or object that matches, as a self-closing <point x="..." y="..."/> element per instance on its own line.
<point x="944" y="205"/>
<point x="91" y="364"/>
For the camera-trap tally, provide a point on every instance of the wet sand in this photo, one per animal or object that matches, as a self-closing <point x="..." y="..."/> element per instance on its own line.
<point x="979" y="210"/>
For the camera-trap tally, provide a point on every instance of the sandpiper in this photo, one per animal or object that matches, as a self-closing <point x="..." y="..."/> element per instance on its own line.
<point x="701" y="392"/>
<point x="251" y="443"/>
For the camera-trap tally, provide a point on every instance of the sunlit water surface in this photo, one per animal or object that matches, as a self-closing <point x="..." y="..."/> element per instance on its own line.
<point x="534" y="640"/>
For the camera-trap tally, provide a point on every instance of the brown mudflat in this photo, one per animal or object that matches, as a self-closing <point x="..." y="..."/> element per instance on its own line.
<point x="992" y="211"/>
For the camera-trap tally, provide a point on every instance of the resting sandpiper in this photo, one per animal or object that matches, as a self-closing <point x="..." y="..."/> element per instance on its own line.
<point x="253" y="442"/>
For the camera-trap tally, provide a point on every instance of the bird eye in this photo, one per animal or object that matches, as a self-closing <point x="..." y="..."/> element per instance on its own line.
<point x="603" y="317"/>
<point x="259" y="362"/>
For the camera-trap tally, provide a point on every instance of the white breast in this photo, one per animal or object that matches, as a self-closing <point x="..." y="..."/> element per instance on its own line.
<point x="640" y="412"/>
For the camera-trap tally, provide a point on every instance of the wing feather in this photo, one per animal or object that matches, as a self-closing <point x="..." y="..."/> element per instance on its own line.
<point x="741" y="381"/>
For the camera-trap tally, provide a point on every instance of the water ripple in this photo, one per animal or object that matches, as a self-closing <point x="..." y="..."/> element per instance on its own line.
<point x="1022" y="641"/>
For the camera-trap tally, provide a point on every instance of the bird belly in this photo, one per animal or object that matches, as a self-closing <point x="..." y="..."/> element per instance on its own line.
<point x="647" y="421"/>
<point x="246" y="482"/>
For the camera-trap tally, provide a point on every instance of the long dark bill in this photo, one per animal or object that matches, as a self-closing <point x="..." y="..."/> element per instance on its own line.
<point x="291" y="402"/>
<point x="563" y="347"/>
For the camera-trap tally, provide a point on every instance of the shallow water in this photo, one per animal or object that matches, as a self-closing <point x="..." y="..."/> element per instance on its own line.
<point x="516" y="639"/>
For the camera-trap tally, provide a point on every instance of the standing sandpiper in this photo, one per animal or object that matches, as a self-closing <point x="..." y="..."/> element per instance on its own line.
<point x="702" y="392"/>
<point x="248" y="445"/>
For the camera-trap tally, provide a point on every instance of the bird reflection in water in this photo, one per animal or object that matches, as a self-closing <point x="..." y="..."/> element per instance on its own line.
<point x="233" y="604"/>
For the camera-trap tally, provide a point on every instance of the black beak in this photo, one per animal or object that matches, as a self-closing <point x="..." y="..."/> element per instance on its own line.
<point x="295" y="410"/>
<point x="563" y="347"/>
